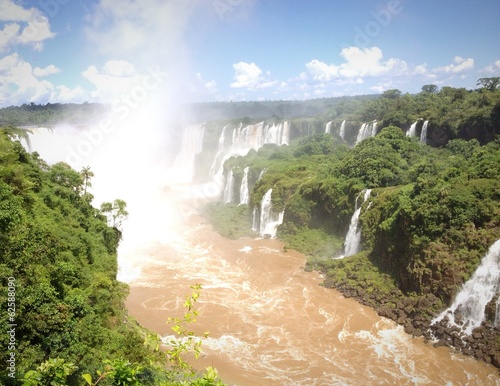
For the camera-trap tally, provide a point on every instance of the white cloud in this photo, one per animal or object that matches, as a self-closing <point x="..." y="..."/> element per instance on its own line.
<point x="9" y="11"/>
<point x="49" y="70"/>
<point x="19" y="84"/>
<point x="116" y="78"/>
<point x="136" y="30"/>
<point x="65" y="94"/>
<point x="22" y="26"/>
<point x="246" y="75"/>
<point x="119" y="68"/>
<point x="208" y="86"/>
<point x="359" y="63"/>
<point x="493" y="69"/>
<point x="460" y="64"/>
<point x="249" y="75"/>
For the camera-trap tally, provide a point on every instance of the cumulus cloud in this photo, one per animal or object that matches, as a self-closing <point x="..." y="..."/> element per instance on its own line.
<point x="139" y="30"/>
<point x="459" y="65"/>
<point x="359" y="63"/>
<point x="22" y="26"/>
<point x="250" y="76"/>
<point x="20" y="83"/>
<point x="65" y="94"/>
<point x="115" y="78"/>
<point x="208" y="86"/>
<point x="49" y="70"/>
<point x="492" y="69"/>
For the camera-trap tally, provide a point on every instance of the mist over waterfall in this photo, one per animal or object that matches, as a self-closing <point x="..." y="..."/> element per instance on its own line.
<point x="352" y="243"/>
<point x="192" y="144"/>
<point x="269" y="221"/>
<point x="423" y="133"/>
<point x="412" y="130"/>
<point x="342" y="129"/>
<point x="476" y="293"/>
<point x="244" y="195"/>
<point x="229" y="188"/>
<point x="366" y="130"/>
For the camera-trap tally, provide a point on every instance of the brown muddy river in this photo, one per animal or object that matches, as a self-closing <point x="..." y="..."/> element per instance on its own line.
<point x="270" y="322"/>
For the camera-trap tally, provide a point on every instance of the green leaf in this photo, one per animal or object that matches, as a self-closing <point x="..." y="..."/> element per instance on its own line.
<point x="88" y="378"/>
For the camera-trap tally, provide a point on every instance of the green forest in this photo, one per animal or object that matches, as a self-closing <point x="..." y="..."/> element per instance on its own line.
<point x="66" y="323"/>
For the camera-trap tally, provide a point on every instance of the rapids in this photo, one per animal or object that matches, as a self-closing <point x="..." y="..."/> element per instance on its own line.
<point x="272" y="323"/>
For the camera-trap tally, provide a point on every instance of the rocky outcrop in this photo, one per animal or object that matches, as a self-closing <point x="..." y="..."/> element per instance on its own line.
<point x="415" y="315"/>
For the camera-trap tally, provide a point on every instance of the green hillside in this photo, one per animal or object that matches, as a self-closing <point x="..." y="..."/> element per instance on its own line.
<point x="63" y="310"/>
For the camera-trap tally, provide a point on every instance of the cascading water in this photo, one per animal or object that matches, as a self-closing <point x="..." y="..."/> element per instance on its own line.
<point x="366" y="130"/>
<point x="412" y="130"/>
<point x="269" y="221"/>
<point x="342" y="129"/>
<point x="328" y="127"/>
<point x="220" y="152"/>
<point x="423" y="133"/>
<point x="244" y="196"/>
<point x="261" y="174"/>
<point x="476" y="293"/>
<point x="229" y="188"/>
<point x="352" y="244"/>
<point x="245" y="139"/>
<point x="255" y="219"/>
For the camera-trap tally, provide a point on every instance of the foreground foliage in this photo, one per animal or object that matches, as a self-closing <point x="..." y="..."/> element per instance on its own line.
<point x="59" y="254"/>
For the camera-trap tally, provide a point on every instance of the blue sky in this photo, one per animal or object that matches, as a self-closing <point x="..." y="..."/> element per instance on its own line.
<point x="222" y="50"/>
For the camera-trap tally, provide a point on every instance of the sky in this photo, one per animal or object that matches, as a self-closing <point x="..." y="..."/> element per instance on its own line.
<point x="110" y="51"/>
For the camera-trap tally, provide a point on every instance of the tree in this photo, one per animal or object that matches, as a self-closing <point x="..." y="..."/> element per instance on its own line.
<point x="392" y="94"/>
<point x="86" y="174"/>
<point x="16" y="133"/>
<point x="115" y="212"/>
<point x="489" y="83"/>
<point x="430" y="88"/>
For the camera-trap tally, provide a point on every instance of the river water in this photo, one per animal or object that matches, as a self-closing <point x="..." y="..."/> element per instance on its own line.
<point x="272" y="323"/>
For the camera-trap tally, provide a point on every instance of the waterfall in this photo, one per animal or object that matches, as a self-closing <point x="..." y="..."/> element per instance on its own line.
<point x="245" y="138"/>
<point x="268" y="220"/>
<point x="244" y="197"/>
<point x="285" y="134"/>
<point x="366" y="130"/>
<point x="423" y="133"/>
<point x="328" y="127"/>
<point x="220" y="152"/>
<point x="255" y="218"/>
<point x="192" y="144"/>
<point x="476" y="293"/>
<point x="229" y="188"/>
<point x="352" y="242"/>
<point x="411" y="131"/>
<point x="342" y="129"/>
<point x="497" y="314"/>
<point x="261" y="174"/>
